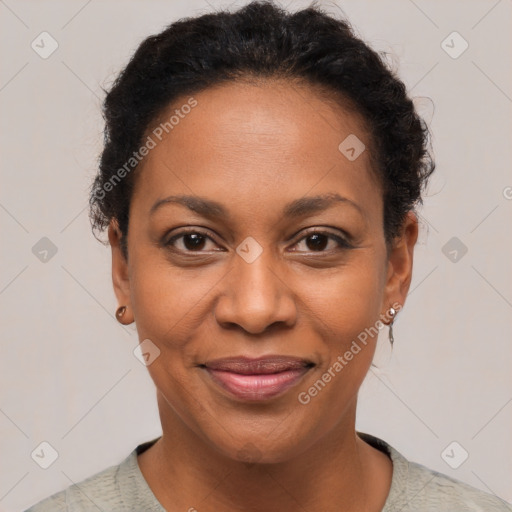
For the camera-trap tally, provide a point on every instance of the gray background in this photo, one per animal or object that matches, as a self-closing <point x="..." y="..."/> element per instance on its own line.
<point x="68" y="374"/>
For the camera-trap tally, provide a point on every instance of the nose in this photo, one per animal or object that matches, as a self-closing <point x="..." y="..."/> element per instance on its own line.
<point x="256" y="297"/>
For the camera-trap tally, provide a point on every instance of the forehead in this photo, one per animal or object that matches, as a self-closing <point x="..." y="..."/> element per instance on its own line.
<point x="258" y="145"/>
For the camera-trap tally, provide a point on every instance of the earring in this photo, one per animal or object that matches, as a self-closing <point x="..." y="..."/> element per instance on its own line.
<point x="392" y="313"/>
<point x="121" y="310"/>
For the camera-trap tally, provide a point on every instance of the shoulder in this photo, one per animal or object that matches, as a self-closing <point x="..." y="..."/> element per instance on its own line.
<point x="117" y="488"/>
<point x="98" y="490"/>
<point x="431" y="490"/>
<point x="417" y="488"/>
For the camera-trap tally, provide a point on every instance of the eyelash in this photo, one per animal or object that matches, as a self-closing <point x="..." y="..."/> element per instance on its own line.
<point x="342" y="243"/>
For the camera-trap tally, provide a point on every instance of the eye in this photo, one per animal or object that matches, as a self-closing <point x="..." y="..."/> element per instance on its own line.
<point x="190" y="241"/>
<point x="318" y="241"/>
<point x="197" y="241"/>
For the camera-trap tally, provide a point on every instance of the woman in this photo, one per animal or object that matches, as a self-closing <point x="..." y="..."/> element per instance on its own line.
<point x="258" y="183"/>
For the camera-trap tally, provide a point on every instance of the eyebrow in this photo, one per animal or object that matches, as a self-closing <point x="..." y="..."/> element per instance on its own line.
<point x="299" y="207"/>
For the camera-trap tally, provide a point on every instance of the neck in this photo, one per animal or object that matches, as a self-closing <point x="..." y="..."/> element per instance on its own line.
<point x="340" y="472"/>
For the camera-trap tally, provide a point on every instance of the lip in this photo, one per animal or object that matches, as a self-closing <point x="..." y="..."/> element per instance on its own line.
<point x="257" y="379"/>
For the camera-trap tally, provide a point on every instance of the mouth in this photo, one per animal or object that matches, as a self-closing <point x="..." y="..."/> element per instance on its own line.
<point x="257" y="379"/>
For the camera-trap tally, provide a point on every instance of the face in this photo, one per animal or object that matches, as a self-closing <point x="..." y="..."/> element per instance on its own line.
<point x="256" y="289"/>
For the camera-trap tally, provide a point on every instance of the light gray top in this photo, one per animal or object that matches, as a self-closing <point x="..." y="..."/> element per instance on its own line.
<point x="414" y="488"/>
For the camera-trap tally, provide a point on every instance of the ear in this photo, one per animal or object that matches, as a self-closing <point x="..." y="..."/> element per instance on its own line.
<point x="120" y="274"/>
<point x="400" y="261"/>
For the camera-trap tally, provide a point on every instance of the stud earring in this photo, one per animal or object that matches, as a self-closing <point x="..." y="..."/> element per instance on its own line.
<point x="121" y="310"/>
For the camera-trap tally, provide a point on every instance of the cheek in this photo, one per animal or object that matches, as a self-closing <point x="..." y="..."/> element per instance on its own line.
<point x="347" y="301"/>
<point x="346" y="308"/>
<point x="168" y="301"/>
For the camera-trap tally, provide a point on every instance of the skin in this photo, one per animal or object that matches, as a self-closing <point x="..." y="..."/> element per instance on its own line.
<point x="254" y="148"/>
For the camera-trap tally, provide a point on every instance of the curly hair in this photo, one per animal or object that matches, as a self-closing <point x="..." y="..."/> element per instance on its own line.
<point x="262" y="40"/>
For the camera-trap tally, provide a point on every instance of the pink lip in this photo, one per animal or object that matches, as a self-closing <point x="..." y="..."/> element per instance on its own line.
<point x="257" y="379"/>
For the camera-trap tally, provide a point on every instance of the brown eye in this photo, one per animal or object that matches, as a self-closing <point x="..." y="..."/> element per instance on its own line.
<point x="189" y="241"/>
<point x="193" y="241"/>
<point x="319" y="241"/>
